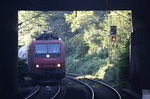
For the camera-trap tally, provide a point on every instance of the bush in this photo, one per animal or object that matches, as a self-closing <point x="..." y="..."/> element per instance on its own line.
<point x="117" y="75"/>
<point x="87" y="65"/>
<point x="22" y="69"/>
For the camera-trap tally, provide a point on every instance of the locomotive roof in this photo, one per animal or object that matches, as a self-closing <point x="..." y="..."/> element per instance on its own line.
<point x="47" y="36"/>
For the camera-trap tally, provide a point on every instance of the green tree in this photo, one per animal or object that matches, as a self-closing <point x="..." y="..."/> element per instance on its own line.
<point x="30" y="23"/>
<point x="33" y="23"/>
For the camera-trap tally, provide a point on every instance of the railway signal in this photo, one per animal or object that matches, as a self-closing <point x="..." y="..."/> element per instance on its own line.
<point x="113" y="32"/>
<point x="113" y="38"/>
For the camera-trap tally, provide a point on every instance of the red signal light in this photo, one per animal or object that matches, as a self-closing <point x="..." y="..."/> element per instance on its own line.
<point x="113" y="38"/>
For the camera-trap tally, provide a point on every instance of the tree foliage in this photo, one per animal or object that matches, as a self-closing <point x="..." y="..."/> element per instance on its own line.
<point x="33" y="23"/>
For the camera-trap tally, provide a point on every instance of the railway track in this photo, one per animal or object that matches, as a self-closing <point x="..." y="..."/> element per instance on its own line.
<point x="56" y="94"/>
<point x="89" y="94"/>
<point x="33" y="92"/>
<point x="44" y="92"/>
<point x="114" y="91"/>
<point x="74" y="87"/>
<point x="100" y="88"/>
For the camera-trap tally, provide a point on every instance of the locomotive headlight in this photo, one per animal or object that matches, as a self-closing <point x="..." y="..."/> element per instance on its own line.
<point x="47" y="56"/>
<point x="37" y="66"/>
<point x="58" y="65"/>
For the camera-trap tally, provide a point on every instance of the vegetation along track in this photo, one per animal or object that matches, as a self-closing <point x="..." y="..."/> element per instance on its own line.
<point x="44" y="92"/>
<point x="101" y="89"/>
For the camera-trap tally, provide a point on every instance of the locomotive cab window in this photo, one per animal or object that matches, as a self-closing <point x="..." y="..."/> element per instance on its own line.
<point x="41" y="50"/>
<point x="53" y="48"/>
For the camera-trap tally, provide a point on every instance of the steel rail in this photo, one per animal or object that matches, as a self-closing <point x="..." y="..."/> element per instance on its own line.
<point x="58" y="91"/>
<point x="118" y="94"/>
<point x="92" y="91"/>
<point x="37" y="89"/>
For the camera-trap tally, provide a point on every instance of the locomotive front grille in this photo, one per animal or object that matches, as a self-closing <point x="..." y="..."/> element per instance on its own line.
<point x="49" y="66"/>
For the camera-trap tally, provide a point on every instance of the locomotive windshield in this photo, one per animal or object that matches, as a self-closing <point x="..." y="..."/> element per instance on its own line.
<point x="41" y="50"/>
<point x="53" y="48"/>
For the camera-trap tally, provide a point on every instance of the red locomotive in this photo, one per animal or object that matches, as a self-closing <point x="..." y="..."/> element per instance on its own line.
<point x="46" y="57"/>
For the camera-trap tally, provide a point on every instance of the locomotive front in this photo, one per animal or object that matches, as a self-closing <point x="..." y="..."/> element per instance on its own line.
<point x="47" y="58"/>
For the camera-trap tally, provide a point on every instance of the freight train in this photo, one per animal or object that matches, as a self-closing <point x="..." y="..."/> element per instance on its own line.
<point x="46" y="57"/>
